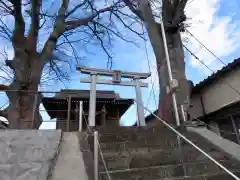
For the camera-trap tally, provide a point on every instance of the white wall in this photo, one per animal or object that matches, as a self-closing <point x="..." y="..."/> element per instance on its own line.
<point x="220" y="94"/>
<point x="217" y="95"/>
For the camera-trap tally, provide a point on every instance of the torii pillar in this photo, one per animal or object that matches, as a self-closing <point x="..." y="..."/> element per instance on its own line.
<point x="116" y="80"/>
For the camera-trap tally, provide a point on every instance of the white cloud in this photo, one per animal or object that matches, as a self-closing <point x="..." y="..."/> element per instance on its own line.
<point x="218" y="33"/>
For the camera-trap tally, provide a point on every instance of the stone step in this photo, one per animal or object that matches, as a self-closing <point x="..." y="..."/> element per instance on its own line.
<point x="125" y="129"/>
<point x="167" y="143"/>
<point x="146" y="157"/>
<point x="152" y="173"/>
<point x="151" y="135"/>
<point x="222" y="176"/>
<point x="231" y="164"/>
<point x="128" y="129"/>
<point x="119" y="136"/>
<point x="156" y="143"/>
<point x="128" y="141"/>
<point x="153" y="153"/>
<point x="191" y="171"/>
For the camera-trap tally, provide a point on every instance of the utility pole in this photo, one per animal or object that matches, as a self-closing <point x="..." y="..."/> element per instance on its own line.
<point x="116" y="80"/>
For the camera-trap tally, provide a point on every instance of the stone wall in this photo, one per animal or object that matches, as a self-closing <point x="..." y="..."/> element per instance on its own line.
<point x="28" y="154"/>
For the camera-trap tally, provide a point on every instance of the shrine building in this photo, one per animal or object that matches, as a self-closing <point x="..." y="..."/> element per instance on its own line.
<point x="69" y="107"/>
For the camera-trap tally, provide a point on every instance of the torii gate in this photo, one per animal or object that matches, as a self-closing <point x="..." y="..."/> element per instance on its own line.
<point x="116" y="80"/>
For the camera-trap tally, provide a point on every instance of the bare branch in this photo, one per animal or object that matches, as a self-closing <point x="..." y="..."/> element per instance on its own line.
<point x="75" y="8"/>
<point x="173" y="15"/>
<point x="134" y="9"/>
<point x="7" y="7"/>
<point x="19" y="29"/>
<point x="74" y="24"/>
<point x="57" y="69"/>
<point x="70" y="43"/>
<point x="4" y="33"/>
<point x="179" y="15"/>
<point x="183" y="4"/>
<point x="102" y="45"/>
<point x="59" y="28"/>
<point x="116" y="33"/>
<point x="34" y="27"/>
<point x="127" y="26"/>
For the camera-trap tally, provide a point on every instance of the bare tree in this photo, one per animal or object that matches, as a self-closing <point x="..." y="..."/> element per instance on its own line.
<point x="173" y="17"/>
<point x="42" y="32"/>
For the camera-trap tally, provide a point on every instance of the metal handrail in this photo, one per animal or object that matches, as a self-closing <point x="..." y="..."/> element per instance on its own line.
<point x="102" y="157"/>
<point x="96" y="148"/>
<point x="95" y="156"/>
<point x="194" y="145"/>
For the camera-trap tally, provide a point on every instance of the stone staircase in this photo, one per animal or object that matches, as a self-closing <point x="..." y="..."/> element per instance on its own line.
<point x="153" y="153"/>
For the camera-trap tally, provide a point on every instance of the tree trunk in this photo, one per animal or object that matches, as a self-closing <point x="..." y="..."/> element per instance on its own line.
<point x="176" y="55"/>
<point x="22" y="112"/>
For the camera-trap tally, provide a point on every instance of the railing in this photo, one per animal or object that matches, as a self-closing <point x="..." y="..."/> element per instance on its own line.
<point x="191" y="143"/>
<point x="96" y="151"/>
<point x="78" y="111"/>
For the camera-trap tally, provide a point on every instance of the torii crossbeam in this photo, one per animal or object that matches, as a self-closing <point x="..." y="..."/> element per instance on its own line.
<point x="116" y="80"/>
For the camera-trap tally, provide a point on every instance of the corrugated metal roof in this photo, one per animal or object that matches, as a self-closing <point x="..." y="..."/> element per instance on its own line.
<point x="216" y="76"/>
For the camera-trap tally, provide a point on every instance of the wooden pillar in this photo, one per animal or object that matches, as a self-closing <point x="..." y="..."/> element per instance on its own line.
<point x="69" y="114"/>
<point x="103" y="115"/>
<point x="118" y="117"/>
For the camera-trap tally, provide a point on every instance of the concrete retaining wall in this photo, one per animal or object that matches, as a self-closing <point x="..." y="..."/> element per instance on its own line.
<point x="27" y="154"/>
<point x="225" y="145"/>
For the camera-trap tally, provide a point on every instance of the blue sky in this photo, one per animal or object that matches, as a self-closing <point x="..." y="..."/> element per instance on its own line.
<point x="213" y="22"/>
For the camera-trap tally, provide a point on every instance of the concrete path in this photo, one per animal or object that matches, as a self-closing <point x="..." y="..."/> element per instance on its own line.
<point x="70" y="165"/>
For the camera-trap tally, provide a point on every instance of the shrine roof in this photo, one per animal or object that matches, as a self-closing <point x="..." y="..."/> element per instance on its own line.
<point x="60" y="101"/>
<point x="85" y="94"/>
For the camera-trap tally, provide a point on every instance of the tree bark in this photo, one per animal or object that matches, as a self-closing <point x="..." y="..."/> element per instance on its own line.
<point x="176" y="55"/>
<point x="21" y="112"/>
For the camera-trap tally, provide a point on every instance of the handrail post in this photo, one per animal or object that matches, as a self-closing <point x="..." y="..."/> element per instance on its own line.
<point x="96" y="158"/>
<point x="183" y="113"/>
<point x="80" y="116"/>
<point x="69" y="113"/>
